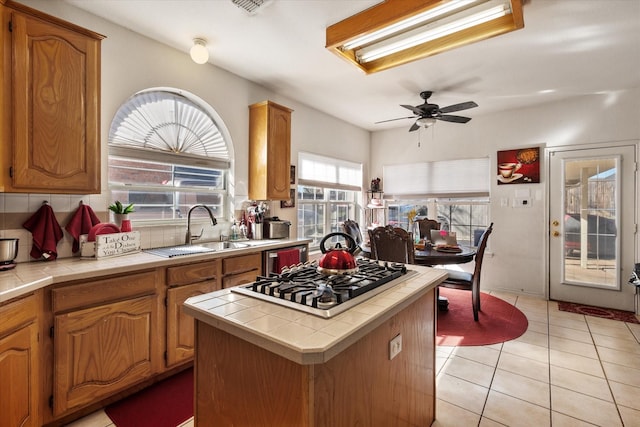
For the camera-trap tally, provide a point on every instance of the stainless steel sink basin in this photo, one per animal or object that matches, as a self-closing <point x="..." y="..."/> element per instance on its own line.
<point x="173" y="251"/>
<point x="220" y="246"/>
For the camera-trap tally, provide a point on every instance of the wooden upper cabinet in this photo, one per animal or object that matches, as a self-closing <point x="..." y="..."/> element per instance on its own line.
<point x="55" y="108"/>
<point x="269" y="151"/>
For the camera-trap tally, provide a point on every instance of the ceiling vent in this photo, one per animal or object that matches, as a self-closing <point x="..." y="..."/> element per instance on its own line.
<point x="251" y="6"/>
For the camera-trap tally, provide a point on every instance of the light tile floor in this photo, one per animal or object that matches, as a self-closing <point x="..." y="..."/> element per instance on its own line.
<point x="566" y="370"/>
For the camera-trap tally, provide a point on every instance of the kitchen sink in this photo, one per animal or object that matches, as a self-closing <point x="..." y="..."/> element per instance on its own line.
<point x="219" y="246"/>
<point x="181" y="250"/>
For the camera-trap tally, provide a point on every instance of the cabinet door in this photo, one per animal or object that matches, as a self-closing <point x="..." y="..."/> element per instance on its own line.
<point x="180" y="329"/>
<point x="56" y="108"/>
<point x="279" y="154"/>
<point x="104" y="349"/>
<point x="18" y="406"/>
<point x="19" y="362"/>
<point x="269" y="151"/>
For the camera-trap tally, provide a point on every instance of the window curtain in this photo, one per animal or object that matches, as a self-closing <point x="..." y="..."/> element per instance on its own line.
<point x="320" y="171"/>
<point x="448" y="178"/>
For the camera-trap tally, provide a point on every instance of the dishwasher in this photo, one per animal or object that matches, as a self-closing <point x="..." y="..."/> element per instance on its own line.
<point x="274" y="260"/>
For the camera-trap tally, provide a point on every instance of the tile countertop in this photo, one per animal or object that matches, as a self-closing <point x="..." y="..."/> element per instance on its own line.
<point x="305" y="338"/>
<point x="30" y="276"/>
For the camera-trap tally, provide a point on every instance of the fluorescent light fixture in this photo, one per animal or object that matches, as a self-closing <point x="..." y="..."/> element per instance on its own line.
<point x="399" y="31"/>
<point x="199" y="52"/>
<point x="408" y="23"/>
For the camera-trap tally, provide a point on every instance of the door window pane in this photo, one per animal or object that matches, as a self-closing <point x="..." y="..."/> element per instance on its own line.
<point x="590" y="222"/>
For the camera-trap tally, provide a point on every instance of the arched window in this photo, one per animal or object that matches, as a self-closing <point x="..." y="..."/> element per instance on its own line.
<point x="169" y="150"/>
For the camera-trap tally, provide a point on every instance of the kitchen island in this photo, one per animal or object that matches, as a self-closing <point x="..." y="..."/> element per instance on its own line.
<point x="258" y="363"/>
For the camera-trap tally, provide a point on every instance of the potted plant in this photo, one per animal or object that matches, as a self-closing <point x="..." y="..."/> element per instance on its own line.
<point x="121" y="212"/>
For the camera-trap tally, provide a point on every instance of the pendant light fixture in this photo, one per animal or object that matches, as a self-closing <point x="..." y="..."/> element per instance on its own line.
<point x="199" y="52"/>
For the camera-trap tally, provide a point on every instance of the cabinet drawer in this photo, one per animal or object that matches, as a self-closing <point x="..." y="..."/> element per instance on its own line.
<point x="241" y="264"/>
<point x="239" y="279"/>
<point x="192" y="273"/>
<point x="102" y="291"/>
<point x="18" y="313"/>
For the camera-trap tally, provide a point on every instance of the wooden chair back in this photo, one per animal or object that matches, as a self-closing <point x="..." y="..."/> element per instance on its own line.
<point x="391" y="243"/>
<point x="471" y="282"/>
<point x="425" y="226"/>
<point x="352" y="228"/>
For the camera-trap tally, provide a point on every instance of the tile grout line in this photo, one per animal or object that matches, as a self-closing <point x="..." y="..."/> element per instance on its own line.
<point x="604" y="372"/>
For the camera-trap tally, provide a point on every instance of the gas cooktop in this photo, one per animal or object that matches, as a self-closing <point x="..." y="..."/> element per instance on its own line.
<point x="305" y="289"/>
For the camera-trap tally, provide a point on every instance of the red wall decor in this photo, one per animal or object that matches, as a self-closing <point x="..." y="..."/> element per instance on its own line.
<point x="519" y="166"/>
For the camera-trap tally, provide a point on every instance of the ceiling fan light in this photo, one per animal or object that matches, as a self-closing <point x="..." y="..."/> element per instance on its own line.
<point x="426" y="121"/>
<point x="199" y="52"/>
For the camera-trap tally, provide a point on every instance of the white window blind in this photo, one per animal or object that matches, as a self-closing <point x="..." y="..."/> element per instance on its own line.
<point x="322" y="171"/>
<point x="456" y="178"/>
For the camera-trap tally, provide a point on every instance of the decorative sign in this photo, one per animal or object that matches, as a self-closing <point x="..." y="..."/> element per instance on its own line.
<point x="109" y="245"/>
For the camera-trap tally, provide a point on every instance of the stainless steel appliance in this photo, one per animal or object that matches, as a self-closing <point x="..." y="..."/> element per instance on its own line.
<point x="8" y="253"/>
<point x="272" y="263"/>
<point x="275" y="228"/>
<point x="305" y="289"/>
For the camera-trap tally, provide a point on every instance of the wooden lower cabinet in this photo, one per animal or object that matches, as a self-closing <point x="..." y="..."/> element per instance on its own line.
<point x="186" y="281"/>
<point x="180" y="327"/>
<point x="19" y="373"/>
<point x="101" y="345"/>
<point x="241" y="269"/>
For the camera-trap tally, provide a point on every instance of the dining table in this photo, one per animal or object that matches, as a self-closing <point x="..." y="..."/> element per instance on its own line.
<point x="431" y="255"/>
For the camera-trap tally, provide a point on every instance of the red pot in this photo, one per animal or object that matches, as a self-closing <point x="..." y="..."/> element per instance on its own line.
<point x="338" y="260"/>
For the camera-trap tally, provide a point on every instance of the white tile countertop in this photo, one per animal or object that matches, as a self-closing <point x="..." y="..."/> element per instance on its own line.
<point x="305" y="338"/>
<point x="30" y="276"/>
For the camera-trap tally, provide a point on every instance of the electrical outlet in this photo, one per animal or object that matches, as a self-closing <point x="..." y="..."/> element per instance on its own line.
<point x="395" y="346"/>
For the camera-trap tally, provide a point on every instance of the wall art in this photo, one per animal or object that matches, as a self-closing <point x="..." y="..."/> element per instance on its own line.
<point x="519" y="166"/>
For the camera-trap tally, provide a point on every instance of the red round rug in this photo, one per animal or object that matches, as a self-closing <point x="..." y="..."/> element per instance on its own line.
<point x="498" y="321"/>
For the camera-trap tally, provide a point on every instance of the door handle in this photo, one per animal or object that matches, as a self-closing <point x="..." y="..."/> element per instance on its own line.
<point x="556" y="233"/>
<point x="555" y="223"/>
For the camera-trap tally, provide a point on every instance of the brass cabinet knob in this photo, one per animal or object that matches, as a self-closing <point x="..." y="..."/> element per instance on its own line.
<point x="556" y="223"/>
<point x="556" y="233"/>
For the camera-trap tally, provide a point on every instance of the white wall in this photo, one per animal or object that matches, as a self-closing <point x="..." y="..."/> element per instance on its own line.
<point x="517" y="246"/>
<point x="131" y="62"/>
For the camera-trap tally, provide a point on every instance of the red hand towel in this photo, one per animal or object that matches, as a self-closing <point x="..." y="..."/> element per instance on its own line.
<point x="46" y="233"/>
<point x="81" y="222"/>
<point x="287" y="258"/>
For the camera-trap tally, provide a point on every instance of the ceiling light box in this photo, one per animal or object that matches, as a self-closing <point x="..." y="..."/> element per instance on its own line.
<point x="396" y="32"/>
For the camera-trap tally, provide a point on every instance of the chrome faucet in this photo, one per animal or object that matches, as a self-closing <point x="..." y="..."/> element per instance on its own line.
<point x="188" y="237"/>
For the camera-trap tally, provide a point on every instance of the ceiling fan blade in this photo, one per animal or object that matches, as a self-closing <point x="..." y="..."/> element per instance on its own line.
<point x="458" y="107"/>
<point x="417" y="111"/>
<point x="454" y="119"/>
<point x="391" y="120"/>
<point x="414" y="127"/>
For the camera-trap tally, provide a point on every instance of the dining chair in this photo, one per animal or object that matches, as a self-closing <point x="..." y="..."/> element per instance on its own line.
<point x="425" y="226"/>
<point x="389" y="243"/>
<point x="352" y="228"/>
<point x="470" y="281"/>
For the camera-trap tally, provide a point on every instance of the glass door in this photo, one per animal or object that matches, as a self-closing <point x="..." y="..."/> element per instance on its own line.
<point x="592" y="226"/>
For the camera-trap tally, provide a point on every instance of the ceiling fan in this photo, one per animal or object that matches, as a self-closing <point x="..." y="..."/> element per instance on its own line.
<point x="426" y="114"/>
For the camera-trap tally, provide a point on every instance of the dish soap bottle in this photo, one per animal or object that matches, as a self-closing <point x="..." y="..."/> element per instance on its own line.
<point x="243" y="229"/>
<point x="234" y="231"/>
